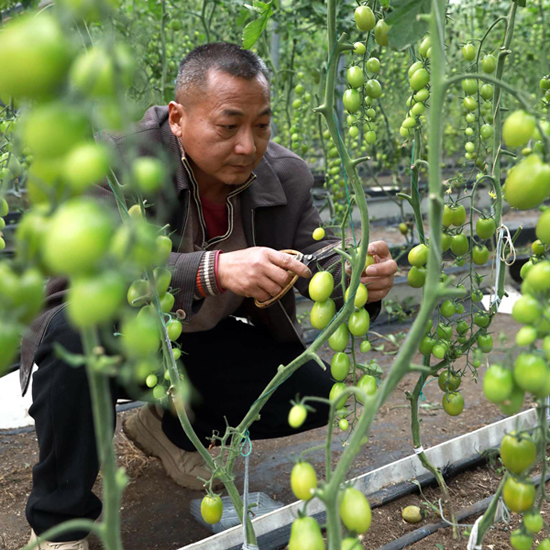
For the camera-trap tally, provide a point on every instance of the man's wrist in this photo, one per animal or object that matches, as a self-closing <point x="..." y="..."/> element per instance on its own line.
<point x="207" y="283"/>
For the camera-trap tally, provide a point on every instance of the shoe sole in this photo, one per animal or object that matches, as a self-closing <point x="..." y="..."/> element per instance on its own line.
<point x="189" y="481"/>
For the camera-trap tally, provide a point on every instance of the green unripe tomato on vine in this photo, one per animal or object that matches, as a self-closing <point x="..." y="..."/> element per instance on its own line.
<point x="486" y="131"/>
<point x="518" y="129"/>
<point x="355" y="77"/>
<point x="469" y="52"/>
<point x="370" y="137"/>
<point x="373" y="88"/>
<point x="469" y="85"/>
<point x="418" y="109"/>
<point x="359" y="48"/>
<point x="352" y="100"/>
<point x="419" y="79"/>
<point x="373" y="65"/>
<point x="414" y="67"/>
<point x="381" y="33"/>
<point x="471" y="117"/>
<point x="364" y="18"/>
<point x="486" y="92"/>
<point x="469" y="103"/>
<point x="489" y="64"/>
<point x="422" y="95"/>
<point x="425" y="46"/>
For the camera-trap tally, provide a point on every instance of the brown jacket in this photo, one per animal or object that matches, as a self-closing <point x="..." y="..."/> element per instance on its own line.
<point x="277" y="212"/>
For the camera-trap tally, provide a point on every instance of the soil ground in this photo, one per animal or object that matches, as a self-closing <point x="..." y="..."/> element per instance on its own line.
<point x="156" y="512"/>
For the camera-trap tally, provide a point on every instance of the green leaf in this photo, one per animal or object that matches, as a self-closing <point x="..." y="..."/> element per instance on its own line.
<point x="254" y="29"/>
<point x="385" y="3"/>
<point x="405" y="28"/>
<point x="155" y="8"/>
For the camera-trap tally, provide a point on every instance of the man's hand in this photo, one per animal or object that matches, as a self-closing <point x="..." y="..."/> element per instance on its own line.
<point x="258" y="272"/>
<point x="378" y="277"/>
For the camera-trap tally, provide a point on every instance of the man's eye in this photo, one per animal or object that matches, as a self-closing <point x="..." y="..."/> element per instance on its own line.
<point x="230" y="126"/>
<point x="263" y="126"/>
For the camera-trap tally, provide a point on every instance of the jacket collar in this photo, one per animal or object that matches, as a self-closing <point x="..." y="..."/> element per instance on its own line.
<point x="266" y="191"/>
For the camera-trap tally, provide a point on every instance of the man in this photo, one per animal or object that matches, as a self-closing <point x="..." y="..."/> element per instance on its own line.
<point x="236" y="200"/>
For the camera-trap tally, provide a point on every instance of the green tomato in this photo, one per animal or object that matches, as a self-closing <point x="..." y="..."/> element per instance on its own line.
<point x="148" y="175"/>
<point x="453" y="403"/>
<point x="95" y="299"/>
<point x="526" y="310"/>
<point x="373" y="65"/>
<point x="518" y="129"/>
<point x="415" y="67"/>
<point x="335" y="392"/>
<point x="469" y="52"/>
<point x="78" y="236"/>
<point x="422" y="95"/>
<point x="489" y="64"/>
<point x="359" y="48"/>
<point x="352" y="100"/>
<point x="425" y="46"/>
<point x="533" y="521"/>
<point x="297" y="416"/>
<point x="419" y="79"/>
<point x="36" y="54"/>
<point x="359" y="322"/>
<point x="339" y="366"/>
<point x="366" y="384"/>
<point x="373" y="88"/>
<point x="365" y="346"/>
<point x="338" y="340"/>
<point x="459" y="244"/>
<point x="530" y="372"/>
<point x="355" y="511"/>
<point x="140" y="335"/>
<point x="303" y="480"/>
<point x="513" y="404"/>
<point x="418" y="256"/>
<point x="174" y="329"/>
<point x="447" y="218"/>
<point x="211" y="509"/>
<point x="498" y="384"/>
<point x="485" y="228"/>
<point x="518" y="496"/>
<point x="381" y="33"/>
<point x="416" y="277"/>
<point x="480" y="255"/>
<point x="321" y="286"/>
<point x="426" y="346"/>
<point x="485" y="342"/>
<point x="486" y="131"/>
<point x="355" y="77"/>
<point x="520" y="540"/>
<point x="458" y="215"/>
<point x="447" y="308"/>
<point x="364" y="18"/>
<point x="305" y="534"/>
<point x="361" y="296"/>
<point x="469" y="103"/>
<point x="322" y="313"/>
<point x="469" y="85"/>
<point x="528" y="183"/>
<point x="486" y="92"/>
<point x="517" y="453"/>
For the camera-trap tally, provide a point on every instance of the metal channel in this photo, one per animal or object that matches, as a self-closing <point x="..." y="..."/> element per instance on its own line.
<point x="273" y="529"/>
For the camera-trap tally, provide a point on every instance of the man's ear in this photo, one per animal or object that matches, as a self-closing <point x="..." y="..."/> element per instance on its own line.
<point x="176" y="117"/>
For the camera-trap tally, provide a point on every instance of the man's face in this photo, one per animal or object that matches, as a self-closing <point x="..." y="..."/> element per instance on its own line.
<point x="225" y="128"/>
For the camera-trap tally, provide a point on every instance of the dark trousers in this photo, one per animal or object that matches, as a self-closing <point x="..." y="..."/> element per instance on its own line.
<point x="228" y="367"/>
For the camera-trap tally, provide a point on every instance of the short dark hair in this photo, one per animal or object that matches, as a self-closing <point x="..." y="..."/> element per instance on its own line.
<point x="219" y="56"/>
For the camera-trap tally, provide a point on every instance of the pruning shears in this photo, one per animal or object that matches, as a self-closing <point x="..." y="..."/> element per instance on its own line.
<point x="306" y="259"/>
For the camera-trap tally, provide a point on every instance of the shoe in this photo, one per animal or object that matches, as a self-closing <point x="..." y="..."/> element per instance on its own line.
<point x="144" y="430"/>
<point x="71" y="545"/>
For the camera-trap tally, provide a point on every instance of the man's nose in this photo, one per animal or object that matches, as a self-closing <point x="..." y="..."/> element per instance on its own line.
<point x="245" y="143"/>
